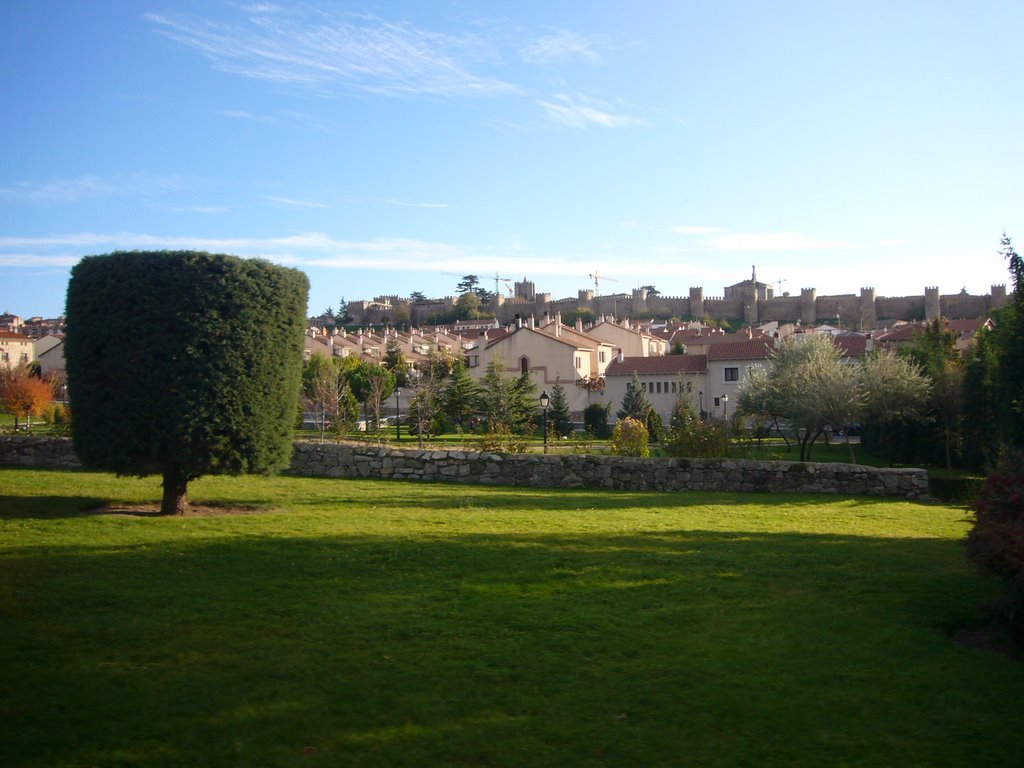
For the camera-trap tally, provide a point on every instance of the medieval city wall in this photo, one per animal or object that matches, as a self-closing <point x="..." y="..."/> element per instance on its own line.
<point x="864" y="311"/>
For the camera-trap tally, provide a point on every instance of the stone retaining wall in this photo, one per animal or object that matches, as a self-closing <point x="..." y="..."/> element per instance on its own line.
<point x="550" y="471"/>
<point x="47" y="452"/>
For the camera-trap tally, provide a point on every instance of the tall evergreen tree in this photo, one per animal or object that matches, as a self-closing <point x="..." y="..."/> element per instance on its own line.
<point x="506" y="401"/>
<point x="559" y="417"/>
<point x="994" y="377"/>
<point x="184" y="364"/>
<point x="635" y="404"/>
<point x="394" y="361"/>
<point x="459" y="396"/>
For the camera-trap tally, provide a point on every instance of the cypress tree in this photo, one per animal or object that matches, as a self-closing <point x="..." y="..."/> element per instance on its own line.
<point x="184" y="364"/>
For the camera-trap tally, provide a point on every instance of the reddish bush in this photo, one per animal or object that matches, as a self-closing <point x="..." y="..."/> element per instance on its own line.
<point x="996" y="543"/>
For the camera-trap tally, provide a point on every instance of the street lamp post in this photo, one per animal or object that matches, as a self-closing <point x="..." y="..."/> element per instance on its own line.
<point x="398" y="420"/>
<point x="544" y="402"/>
<point x="700" y="399"/>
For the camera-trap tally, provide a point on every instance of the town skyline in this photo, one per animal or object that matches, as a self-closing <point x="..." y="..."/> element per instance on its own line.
<point x="382" y="148"/>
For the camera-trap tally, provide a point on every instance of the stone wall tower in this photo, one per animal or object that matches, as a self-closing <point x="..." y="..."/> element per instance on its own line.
<point x="932" y="310"/>
<point x="750" y="307"/>
<point x="998" y="296"/>
<point x="808" y="306"/>
<point x="697" y="303"/>
<point x="639" y="301"/>
<point x="868" y="315"/>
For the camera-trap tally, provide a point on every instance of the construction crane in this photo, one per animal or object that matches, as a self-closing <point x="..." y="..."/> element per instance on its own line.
<point x="506" y="280"/>
<point x="596" y="277"/>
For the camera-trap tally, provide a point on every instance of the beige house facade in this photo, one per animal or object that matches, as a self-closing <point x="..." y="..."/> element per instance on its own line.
<point x="15" y="350"/>
<point x="663" y="380"/>
<point x="549" y="358"/>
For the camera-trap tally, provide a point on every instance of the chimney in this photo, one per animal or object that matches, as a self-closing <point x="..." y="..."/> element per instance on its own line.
<point x="519" y="322"/>
<point x="622" y="357"/>
<point x="532" y="321"/>
<point x="579" y="325"/>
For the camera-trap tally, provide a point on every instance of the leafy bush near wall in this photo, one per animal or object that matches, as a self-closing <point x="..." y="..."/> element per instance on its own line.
<point x="501" y="439"/>
<point x="956" y="490"/>
<point x="996" y="543"/>
<point x="630" y="438"/>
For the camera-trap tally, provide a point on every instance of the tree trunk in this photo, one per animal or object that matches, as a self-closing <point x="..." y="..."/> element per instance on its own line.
<point x="175" y="498"/>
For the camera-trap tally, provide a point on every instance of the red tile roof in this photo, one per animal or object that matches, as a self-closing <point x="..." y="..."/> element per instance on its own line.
<point x="853" y="345"/>
<point x="747" y="349"/>
<point x="670" y="364"/>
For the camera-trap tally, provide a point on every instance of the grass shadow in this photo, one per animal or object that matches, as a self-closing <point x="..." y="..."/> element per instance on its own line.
<point x="504" y="649"/>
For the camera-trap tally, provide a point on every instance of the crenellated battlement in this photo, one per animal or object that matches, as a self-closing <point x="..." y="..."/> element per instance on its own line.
<point x="864" y="310"/>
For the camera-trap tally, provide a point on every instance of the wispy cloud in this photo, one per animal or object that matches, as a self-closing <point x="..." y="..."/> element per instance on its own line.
<point x="696" y="230"/>
<point x="89" y="188"/>
<point x="560" y="45"/>
<point x="720" y="239"/>
<point x="775" y="241"/>
<point x="580" y="112"/>
<point x="334" y="52"/>
<point x="38" y="260"/>
<point x="290" y="201"/>
<point x="306" y="250"/>
<point x="404" y="204"/>
<point x="208" y="210"/>
<point x="312" y="249"/>
<point x="241" y="114"/>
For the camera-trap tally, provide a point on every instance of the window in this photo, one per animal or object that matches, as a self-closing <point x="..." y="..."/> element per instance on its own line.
<point x="666" y="388"/>
<point x="732" y="374"/>
<point x="600" y="355"/>
<point x="718" y="402"/>
<point x="643" y="385"/>
<point x="674" y="385"/>
<point x="657" y="387"/>
<point x="689" y="386"/>
<point x="579" y="364"/>
<point x="524" y="365"/>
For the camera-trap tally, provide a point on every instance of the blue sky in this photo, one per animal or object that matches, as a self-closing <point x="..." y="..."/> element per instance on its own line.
<point x="379" y="145"/>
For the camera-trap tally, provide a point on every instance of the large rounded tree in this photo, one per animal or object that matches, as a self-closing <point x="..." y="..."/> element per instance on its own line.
<point x="183" y="364"/>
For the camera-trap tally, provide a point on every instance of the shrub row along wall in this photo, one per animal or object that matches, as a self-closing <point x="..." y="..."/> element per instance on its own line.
<point x="552" y="471"/>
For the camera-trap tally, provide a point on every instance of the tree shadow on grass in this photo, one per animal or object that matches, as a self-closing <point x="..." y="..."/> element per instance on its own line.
<point x="46" y="507"/>
<point x="736" y="648"/>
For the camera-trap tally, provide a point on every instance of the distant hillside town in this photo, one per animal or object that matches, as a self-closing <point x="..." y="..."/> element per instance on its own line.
<point x="594" y="345"/>
<point x="746" y="303"/>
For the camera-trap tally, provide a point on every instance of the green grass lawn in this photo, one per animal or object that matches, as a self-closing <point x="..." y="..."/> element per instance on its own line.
<point x="373" y="623"/>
